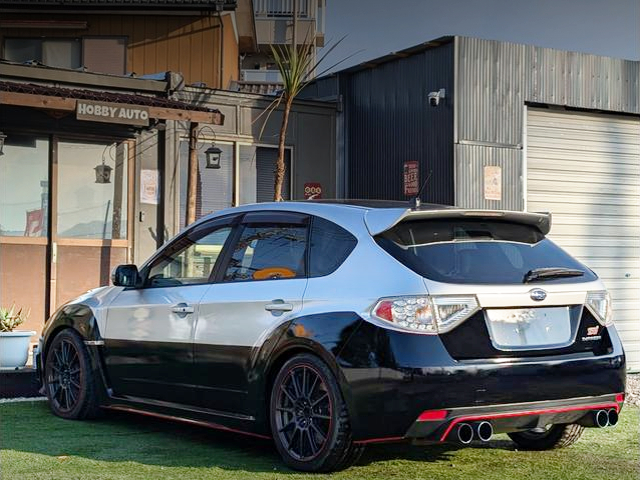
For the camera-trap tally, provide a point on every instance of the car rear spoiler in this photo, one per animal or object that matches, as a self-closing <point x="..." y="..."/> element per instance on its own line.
<point x="381" y="220"/>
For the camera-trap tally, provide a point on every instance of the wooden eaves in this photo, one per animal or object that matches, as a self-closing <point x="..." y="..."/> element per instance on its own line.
<point x="69" y="104"/>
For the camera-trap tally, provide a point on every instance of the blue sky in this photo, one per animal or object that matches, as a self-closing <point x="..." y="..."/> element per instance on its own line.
<point x="376" y="27"/>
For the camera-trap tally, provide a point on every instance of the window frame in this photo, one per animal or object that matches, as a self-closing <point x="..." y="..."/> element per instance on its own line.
<point x="41" y="40"/>
<point x="206" y="228"/>
<point x="271" y="218"/>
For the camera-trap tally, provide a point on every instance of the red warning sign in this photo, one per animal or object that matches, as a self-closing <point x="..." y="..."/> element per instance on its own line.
<point x="411" y="178"/>
<point x="312" y="191"/>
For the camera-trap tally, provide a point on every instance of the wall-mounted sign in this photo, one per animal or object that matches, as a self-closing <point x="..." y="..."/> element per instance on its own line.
<point x="493" y="183"/>
<point x="411" y="174"/>
<point x="112" y="113"/>
<point x="312" y="191"/>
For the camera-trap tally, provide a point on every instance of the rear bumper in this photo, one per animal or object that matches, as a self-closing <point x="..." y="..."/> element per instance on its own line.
<point x="513" y="417"/>
<point x="410" y="374"/>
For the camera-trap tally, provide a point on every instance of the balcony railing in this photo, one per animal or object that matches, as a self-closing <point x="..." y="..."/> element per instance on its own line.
<point x="267" y="76"/>
<point x="284" y="8"/>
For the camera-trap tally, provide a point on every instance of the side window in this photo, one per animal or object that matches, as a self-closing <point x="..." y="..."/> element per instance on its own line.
<point x="330" y="247"/>
<point x="268" y="252"/>
<point x="189" y="260"/>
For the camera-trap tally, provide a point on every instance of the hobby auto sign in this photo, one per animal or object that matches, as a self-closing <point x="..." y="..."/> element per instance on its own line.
<point x="112" y="113"/>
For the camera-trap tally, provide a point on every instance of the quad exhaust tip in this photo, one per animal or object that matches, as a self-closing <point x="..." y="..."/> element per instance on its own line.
<point x="599" y="418"/>
<point x="484" y="431"/>
<point x="612" y="417"/>
<point x="602" y="418"/>
<point x="465" y="433"/>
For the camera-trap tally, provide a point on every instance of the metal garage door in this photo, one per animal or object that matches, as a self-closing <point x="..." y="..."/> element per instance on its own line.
<point x="585" y="169"/>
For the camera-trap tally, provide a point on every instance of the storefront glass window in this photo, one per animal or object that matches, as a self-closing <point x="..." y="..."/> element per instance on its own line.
<point x="92" y="190"/>
<point x="24" y="183"/>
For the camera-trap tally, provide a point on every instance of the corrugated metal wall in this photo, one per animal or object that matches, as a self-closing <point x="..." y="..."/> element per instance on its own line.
<point x="469" y="171"/>
<point x="489" y="91"/>
<point x="494" y="82"/>
<point x="389" y="121"/>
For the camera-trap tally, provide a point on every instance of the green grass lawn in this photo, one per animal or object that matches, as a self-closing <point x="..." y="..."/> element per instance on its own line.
<point x="36" y="445"/>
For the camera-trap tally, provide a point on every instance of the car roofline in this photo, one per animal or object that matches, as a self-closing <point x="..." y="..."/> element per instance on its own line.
<point x="383" y="218"/>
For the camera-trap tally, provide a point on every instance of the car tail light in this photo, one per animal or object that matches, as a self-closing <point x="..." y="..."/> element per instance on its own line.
<point x="599" y="304"/>
<point x="425" y="314"/>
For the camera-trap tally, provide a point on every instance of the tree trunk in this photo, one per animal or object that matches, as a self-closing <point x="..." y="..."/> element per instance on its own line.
<point x="279" y="172"/>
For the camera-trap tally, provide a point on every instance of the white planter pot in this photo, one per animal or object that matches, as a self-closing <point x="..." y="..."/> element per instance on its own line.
<point x="14" y="348"/>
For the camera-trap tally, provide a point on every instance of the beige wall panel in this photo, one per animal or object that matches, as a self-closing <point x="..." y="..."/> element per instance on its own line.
<point x="23" y="281"/>
<point x="82" y="268"/>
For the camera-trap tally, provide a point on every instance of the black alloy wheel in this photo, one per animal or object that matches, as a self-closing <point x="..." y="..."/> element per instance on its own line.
<point x="63" y="379"/>
<point x="309" y="419"/>
<point x="303" y="412"/>
<point x="70" y="386"/>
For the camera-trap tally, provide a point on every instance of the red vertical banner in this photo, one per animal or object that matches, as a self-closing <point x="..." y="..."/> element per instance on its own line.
<point x="411" y="173"/>
<point x="35" y="223"/>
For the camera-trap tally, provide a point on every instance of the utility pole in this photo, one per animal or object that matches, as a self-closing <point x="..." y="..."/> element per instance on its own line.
<point x="192" y="177"/>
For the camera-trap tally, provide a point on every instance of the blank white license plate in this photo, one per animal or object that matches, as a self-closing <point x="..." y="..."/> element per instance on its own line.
<point x="529" y="328"/>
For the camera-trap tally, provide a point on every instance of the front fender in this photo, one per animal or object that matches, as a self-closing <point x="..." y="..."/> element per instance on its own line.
<point x="78" y="317"/>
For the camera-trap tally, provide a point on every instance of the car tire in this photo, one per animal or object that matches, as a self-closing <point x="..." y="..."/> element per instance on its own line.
<point x="309" y="418"/>
<point x="557" y="436"/>
<point x="69" y="380"/>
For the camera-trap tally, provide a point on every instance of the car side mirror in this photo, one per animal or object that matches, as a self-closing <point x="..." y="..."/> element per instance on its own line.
<point x="125" y="276"/>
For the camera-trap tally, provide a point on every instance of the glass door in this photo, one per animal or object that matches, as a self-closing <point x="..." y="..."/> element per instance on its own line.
<point x="90" y="221"/>
<point x="24" y="184"/>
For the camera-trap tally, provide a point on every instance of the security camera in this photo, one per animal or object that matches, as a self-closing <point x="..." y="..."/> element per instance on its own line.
<point x="435" y="97"/>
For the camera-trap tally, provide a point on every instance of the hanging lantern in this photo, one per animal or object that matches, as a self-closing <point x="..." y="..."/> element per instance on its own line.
<point x="103" y="173"/>
<point x="214" y="154"/>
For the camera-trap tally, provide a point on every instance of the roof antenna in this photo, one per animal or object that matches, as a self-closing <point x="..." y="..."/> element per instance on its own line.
<point x="415" y="201"/>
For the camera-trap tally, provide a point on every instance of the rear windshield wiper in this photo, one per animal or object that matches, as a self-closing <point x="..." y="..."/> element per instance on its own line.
<point x="549" y="273"/>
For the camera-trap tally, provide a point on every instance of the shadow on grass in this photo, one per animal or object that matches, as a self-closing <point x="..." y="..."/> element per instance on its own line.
<point x="123" y="437"/>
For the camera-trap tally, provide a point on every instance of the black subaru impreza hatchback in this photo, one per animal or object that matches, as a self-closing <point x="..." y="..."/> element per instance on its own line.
<point x="327" y="326"/>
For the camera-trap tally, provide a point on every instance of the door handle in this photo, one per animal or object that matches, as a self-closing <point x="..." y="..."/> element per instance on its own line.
<point x="182" y="308"/>
<point x="278" y="306"/>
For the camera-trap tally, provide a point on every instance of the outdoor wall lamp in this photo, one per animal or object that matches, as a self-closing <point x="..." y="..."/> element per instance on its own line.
<point x="103" y="171"/>
<point x="214" y="154"/>
<point x="2" y="139"/>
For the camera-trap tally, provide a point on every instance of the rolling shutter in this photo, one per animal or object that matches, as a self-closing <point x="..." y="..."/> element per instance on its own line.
<point x="265" y="165"/>
<point x="585" y="169"/>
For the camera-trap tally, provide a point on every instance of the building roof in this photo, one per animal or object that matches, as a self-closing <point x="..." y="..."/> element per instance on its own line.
<point x="407" y="52"/>
<point x="100" y="96"/>
<point x="172" y="4"/>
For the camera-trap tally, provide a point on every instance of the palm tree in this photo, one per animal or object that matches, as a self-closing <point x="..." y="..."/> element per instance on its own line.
<point x="297" y="66"/>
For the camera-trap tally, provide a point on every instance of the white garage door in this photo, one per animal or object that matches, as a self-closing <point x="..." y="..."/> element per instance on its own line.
<point x="585" y="169"/>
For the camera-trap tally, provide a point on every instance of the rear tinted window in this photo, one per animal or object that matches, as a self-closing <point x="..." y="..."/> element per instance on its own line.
<point x="476" y="251"/>
<point x="330" y="246"/>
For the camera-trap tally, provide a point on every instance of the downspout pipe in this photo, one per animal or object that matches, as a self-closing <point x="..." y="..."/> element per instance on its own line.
<point x="221" y="54"/>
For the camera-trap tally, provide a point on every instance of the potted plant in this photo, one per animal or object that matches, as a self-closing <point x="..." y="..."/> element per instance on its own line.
<point x="14" y="345"/>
